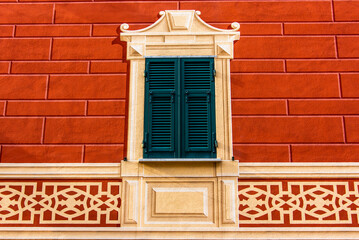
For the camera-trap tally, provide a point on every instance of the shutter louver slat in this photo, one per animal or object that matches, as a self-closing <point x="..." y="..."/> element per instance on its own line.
<point x="161" y="122"/>
<point x="198" y="122"/>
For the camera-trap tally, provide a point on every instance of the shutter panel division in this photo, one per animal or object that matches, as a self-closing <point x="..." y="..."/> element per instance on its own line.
<point x="160" y="109"/>
<point x="161" y="118"/>
<point x="197" y="127"/>
<point x="179" y="108"/>
<point x="199" y="116"/>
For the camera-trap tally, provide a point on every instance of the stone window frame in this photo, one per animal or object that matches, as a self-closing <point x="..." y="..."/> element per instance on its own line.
<point x="180" y="33"/>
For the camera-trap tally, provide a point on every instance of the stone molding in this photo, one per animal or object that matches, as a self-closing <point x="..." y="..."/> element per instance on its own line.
<point x="147" y="214"/>
<point x="60" y="170"/>
<point x="298" y="170"/>
<point x="262" y="233"/>
<point x="128" y="169"/>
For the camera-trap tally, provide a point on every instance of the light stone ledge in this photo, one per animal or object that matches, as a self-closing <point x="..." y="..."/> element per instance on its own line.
<point x="299" y="170"/>
<point x="179" y="233"/>
<point x="60" y="170"/>
<point x="113" y="170"/>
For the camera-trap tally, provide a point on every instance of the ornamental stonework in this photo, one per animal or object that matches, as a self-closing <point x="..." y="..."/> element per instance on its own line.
<point x="60" y="203"/>
<point x="298" y="203"/>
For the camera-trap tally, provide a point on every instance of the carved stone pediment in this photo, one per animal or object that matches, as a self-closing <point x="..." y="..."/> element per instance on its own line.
<point x="180" y="33"/>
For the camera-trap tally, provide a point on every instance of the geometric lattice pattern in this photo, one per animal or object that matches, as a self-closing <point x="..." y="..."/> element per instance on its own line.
<point x="59" y="203"/>
<point x="293" y="203"/>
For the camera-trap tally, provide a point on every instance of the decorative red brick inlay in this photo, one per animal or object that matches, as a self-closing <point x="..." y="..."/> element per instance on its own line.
<point x="298" y="203"/>
<point x="59" y="203"/>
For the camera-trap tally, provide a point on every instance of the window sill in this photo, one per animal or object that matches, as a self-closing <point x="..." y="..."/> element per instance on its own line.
<point x="147" y="160"/>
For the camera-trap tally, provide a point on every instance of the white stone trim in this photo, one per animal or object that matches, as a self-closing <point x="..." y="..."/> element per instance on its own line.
<point x="299" y="170"/>
<point x="113" y="170"/>
<point x="60" y="170"/>
<point x="229" y="199"/>
<point x="179" y="233"/>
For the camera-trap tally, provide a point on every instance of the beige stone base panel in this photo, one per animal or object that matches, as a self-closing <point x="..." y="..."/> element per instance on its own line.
<point x="178" y="233"/>
<point x="179" y="202"/>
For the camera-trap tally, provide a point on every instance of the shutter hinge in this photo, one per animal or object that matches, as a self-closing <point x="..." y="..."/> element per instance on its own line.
<point x="215" y="142"/>
<point x="173" y="96"/>
<point x="150" y="98"/>
<point x="144" y="142"/>
<point x="214" y="72"/>
<point x="145" y="74"/>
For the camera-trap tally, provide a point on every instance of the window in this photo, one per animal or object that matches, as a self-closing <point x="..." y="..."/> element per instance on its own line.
<point x="179" y="108"/>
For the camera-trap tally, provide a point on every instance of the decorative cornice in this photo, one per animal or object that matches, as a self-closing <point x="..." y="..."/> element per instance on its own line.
<point x="180" y="32"/>
<point x="179" y="20"/>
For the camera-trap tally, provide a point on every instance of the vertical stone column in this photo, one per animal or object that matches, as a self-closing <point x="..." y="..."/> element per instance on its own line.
<point x="223" y="109"/>
<point x="136" y="110"/>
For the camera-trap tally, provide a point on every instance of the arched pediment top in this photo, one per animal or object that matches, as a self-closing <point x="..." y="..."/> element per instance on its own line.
<point x="182" y="22"/>
<point x="180" y="33"/>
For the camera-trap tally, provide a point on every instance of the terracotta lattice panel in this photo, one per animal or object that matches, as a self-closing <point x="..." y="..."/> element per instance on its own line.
<point x="55" y="203"/>
<point x="295" y="203"/>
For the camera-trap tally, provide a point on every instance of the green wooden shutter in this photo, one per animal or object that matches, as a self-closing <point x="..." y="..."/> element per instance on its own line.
<point x="198" y="119"/>
<point x="179" y="108"/>
<point x="160" y="108"/>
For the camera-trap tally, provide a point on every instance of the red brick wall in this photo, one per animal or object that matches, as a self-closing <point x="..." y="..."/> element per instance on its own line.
<point x="63" y="82"/>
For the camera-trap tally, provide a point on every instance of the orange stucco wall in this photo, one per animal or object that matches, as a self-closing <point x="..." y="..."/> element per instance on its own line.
<point x="63" y="81"/>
